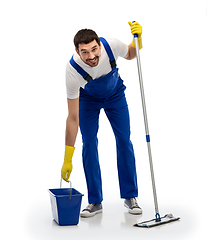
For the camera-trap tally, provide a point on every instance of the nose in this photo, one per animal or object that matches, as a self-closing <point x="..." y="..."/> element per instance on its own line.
<point x="91" y="55"/>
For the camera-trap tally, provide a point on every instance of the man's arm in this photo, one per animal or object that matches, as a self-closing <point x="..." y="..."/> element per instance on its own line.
<point x="71" y="133"/>
<point x="72" y="122"/>
<point x="131" y="54"/>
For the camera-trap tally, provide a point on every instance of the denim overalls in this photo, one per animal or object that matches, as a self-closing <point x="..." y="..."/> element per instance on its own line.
<point x="106" y="92"/>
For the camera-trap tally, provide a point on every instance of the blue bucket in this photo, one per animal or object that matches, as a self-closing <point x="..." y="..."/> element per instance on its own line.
<point x="65" y="206"/>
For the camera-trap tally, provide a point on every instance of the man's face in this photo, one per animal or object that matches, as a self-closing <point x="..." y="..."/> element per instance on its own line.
<point x="89" y="53"/>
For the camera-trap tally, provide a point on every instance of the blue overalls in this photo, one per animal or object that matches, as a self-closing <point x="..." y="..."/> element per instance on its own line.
<point x="106" y="92"/>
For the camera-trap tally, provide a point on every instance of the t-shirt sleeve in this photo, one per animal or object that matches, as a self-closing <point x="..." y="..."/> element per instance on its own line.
<point x="72" y="84"/>
<point x="119" y="48"/>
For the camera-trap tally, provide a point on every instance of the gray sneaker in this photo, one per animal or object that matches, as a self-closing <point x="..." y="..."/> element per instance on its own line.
<point x="91" y="210"/>
<point x="132" y="205"/>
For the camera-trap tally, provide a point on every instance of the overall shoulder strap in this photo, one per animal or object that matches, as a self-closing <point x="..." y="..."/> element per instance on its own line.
<point x="80" y="70"/>
<point x="109" y="52"/>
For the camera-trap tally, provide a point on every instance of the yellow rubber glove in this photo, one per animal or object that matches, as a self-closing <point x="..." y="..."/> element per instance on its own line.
<point x="67" y="166"/>
<point x="136" y="28"/>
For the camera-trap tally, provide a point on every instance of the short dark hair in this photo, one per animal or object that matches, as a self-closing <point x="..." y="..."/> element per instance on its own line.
<point x="85" y="36"/>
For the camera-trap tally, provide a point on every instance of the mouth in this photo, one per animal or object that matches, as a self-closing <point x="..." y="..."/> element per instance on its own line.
<point x="93" y="61"/>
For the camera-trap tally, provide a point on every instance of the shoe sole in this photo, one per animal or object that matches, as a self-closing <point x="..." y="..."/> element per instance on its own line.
<point x="87" y="214"/>
<point x="134" y="211"/>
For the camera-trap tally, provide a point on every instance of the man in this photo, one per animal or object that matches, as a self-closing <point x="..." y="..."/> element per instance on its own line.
<point x="93" y="83"/>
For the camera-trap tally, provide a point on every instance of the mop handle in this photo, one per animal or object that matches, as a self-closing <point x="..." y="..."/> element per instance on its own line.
<point x="146" y="124"/>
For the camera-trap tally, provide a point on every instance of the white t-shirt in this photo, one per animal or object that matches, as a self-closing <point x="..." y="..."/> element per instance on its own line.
<point x="74" y="81"/>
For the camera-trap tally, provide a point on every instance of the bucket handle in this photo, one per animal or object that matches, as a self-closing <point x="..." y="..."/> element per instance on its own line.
<point x="70" y="187"/>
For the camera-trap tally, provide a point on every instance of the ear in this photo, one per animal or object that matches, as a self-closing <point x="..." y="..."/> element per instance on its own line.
<point x="77" y="51"/>
<point x="99" y="45"/>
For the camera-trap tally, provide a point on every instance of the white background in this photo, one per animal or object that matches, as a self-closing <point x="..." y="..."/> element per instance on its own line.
<point x="36" y="43"/>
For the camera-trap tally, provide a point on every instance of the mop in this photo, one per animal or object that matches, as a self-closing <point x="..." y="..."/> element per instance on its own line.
<point x="158" y="220"/>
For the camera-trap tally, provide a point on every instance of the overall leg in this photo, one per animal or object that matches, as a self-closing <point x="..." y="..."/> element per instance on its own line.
<point x="119" y="119"/>
<point x="89" y="123"/>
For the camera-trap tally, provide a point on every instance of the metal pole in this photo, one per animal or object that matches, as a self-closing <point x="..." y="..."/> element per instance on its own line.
<point x="146" y="126"/>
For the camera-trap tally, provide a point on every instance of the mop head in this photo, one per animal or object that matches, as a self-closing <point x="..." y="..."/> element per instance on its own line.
<point x="152" y="223"/>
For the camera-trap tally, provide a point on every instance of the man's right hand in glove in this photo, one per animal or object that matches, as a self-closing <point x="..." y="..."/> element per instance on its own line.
<point x="67" y="165"/>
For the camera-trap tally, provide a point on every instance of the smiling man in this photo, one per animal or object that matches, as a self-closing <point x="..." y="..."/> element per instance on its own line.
<point x="89" y="53"/>
<point x="93" y="83"/>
